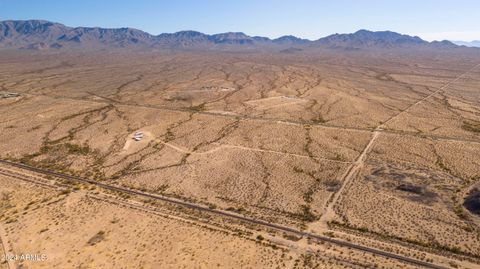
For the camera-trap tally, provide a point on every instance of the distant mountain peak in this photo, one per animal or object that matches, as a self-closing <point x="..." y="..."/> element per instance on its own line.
<point x="365" y="38"/>
<point x="188" y="33"/>
<point x="290" y="39"/>
<point x="231" y="38"/>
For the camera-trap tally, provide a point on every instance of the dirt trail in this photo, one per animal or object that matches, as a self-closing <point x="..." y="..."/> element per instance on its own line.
<point x="428" y="96"/>
<point x="227" y="114"/>
<point x="226" y="146"/>
<point x="347" y="178"/>
<point x="329" y="213"/>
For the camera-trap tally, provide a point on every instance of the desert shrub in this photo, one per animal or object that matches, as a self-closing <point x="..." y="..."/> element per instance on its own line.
<point x="306" y="214"/>
<point x="98" y="237"/>
<point x="332" y="184"/>
<point x="200" y="107"/>
<point x="77" y="149"/>
<point x="471" y="126"/>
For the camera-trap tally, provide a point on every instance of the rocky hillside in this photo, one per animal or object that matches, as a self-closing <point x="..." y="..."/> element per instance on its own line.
<point x="42" y="35"/>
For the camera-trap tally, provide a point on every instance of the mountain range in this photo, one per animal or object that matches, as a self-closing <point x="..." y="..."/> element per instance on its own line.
<point x="42" y="35"/>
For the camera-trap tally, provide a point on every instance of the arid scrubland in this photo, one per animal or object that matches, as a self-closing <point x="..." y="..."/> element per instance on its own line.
<point x="272" y="136"/>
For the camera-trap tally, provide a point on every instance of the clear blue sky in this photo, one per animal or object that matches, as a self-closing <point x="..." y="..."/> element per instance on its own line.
<point x="430" y="19"/>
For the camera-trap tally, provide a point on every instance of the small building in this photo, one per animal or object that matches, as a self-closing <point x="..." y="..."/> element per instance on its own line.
<point x="138" y="136"/>
<point x="6" y="95"/>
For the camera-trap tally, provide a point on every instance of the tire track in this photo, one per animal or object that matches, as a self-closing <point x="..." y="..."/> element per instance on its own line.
<point x="358" y="164"/>
<point x="428" y="96"/>
<point x="107" y="100"/>
<point x="227" y="146"/>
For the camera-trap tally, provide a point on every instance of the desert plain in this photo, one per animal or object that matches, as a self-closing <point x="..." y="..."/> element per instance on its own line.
<point x="380" y="149"/>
